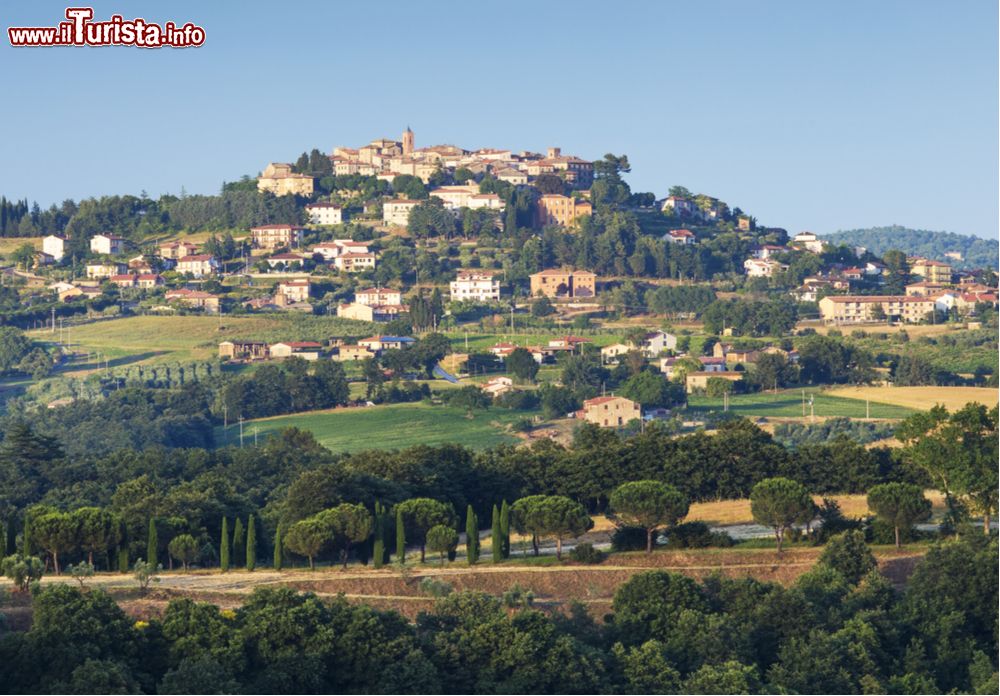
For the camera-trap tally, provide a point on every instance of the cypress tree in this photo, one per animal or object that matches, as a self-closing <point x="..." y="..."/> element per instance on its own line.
<point x="152" y="544"/>
<point x="400" y="538"/>
<point x="11" y="537"/>
<point x="471" y="536"/>
<point x="378" y="546"/>
<point x="251" y="544"/>
<point x="505" y="529"/>
<point x="26" y="535"/>
<point x="224" y="546"/>
<point x="278" y="555"/>
<point x="239" y="544"/>
<point x="495" y="536"/>
<point x="123" y="559"/>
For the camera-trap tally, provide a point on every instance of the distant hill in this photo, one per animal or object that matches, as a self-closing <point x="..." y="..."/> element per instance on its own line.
<point x="976" y="252"/>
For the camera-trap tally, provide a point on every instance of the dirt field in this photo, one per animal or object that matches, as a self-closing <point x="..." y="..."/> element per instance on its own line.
<point x="921" y="398"/>
<point x="554" y="585"/>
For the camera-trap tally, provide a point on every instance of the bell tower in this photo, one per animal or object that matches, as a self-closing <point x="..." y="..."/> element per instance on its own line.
<point x="407" y="142"/>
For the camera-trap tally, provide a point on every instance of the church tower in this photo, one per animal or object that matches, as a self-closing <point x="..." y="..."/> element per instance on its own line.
<point x="407" y="142"/>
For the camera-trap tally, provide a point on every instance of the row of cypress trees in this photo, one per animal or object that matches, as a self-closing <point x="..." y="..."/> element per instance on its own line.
<point x="500" y="536"/>
<point x="242" y="543"/>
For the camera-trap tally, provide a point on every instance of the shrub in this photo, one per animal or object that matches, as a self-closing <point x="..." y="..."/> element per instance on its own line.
<point x="518" y="596"/>
<point x="629" y="539"/>
<point x="586" y="553"/>
<point x="696" y="535"/>
<point x="435" y="588"/>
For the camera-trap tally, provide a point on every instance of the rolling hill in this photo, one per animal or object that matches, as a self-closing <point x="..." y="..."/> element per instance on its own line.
<point x="976" y="252"/>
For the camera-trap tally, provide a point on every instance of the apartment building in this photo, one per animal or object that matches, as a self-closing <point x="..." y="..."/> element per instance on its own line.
<point x="475" y="285"/>
<point x="858" y="309"/>
<point x="562" y="283"/>
<point x="276" y="236"/>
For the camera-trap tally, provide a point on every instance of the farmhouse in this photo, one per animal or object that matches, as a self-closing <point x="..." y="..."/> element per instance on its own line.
<point x="353" y="262"/>
<point x="377" y="344"/>
<point x="559" y="283"/>
<point x="680" y="237"/>
<point x="698" y="381"/>
<point x="194" y="298"/>
<point x="610" y="354"/>
<point x="352" y="353"/>
<point x="498" y="386"/>
<point x="294" y="290"/>
<point x="177" y="250"/>
<point x="610" y="411"/>
<point x="364" y="312"/>
<point x="105" y="270"/>
<point x="307" y="350"/>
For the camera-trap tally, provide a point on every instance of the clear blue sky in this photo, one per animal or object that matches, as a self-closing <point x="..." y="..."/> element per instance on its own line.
<point x="809" y="115"/>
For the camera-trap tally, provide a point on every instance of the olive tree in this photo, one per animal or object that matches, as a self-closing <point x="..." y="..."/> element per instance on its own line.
<point x="22" y="570"/>
<point x="779" y="503"/>
<point x="899" y="504"/>
<point x="647" y="504"/>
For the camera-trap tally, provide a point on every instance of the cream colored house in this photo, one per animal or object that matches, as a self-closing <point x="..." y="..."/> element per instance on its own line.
<point x="352" y="262"/>
<point x="307" y="350"/>
<point x="276" y="236"/>
<point x="378" y="296"/>
<point x="698" y="381"/>
<point x="857" y="309"/>
<point x="397" y="211"/>
<point x="294" y="290"/>
<point x="279" y="179"/>
<point x="610" y="411"/>
<point x="105" y="270"/>
<point x="198" y="265"/>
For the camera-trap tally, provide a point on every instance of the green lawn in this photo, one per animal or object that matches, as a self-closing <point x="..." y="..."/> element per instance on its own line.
<point x="388" y="427"/>
<point x="788" y="404"/>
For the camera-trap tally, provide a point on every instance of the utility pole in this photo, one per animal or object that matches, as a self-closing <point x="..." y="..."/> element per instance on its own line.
<point x="241" y="431"/>
<point x="53" y="320"/>
<point x="803" y="403"/>
<point x="868" y="408"/>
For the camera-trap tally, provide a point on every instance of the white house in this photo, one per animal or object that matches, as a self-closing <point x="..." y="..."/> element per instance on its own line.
<point x="107" y="244"/>
<point x="761" y="268"/>
<point x="475" y="285"/>
<point x="325" y="213"/>
<point x="680" y="237"/>
<point x="54" y="246"/>
<point x="657" y="342"/>
<point x="808" y="240"/>
<point x="680" y="206"/>
<point x="397" y="211"/>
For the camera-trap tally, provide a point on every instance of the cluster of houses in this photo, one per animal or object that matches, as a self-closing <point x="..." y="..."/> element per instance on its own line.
<point x="922" y="300"/>
<point x="371" y="347"/>
<point x="386" y="159"/>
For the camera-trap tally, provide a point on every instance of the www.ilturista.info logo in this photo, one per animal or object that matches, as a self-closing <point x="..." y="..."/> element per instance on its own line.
<point x="117" y="31"/>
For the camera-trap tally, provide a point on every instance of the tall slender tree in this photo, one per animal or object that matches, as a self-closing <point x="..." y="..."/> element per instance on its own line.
<point x="224" y="546"/>
<point x="251" y="555"/>
<point x="505" y="529"/>
<point x="278" y="557"/>
<point x="471" y="536"/>
<point x="152" y="543"/>
<point x="378" y="545"/>
<point x="400" y="537"/>
<point x="495" y="536"/>
<point x="239" y="544"/>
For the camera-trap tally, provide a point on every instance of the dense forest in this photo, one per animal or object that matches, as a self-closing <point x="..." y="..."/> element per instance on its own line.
<point x="976" y="252"/>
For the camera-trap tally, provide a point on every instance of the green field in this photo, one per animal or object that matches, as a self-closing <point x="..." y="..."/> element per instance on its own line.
<point x="388" y="427"/>
<point x="158" y="339"/>
<point x="788" y="404"/>
<point x="462" y="342"/>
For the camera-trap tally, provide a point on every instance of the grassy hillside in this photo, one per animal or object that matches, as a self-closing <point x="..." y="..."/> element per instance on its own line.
<point x="976" y="252"/>
<point x="788" y="404"/>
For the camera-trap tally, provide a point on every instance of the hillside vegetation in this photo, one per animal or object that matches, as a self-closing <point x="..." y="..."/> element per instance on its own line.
<point x="976" y="252"/>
